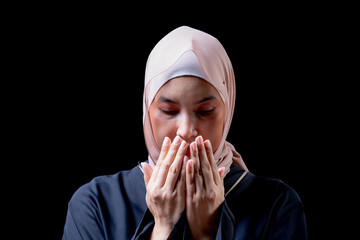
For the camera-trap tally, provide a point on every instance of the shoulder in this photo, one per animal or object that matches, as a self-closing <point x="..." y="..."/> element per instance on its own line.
<point x="107" y="201"/>
<point x="107" y="186"/>
<point x="262" y="190"/>
<point x="269" y="205"/>
<point x="270" y="185"/>
<point x="278" y="192"/>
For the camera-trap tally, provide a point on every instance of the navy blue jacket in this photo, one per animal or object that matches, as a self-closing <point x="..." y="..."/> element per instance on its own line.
<point x="113" y="207"/>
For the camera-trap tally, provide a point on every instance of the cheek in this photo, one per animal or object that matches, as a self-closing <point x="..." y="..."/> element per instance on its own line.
<point x="214" y="134"/>
<point x="213" y="130"/>
<point x="161" y="127"/>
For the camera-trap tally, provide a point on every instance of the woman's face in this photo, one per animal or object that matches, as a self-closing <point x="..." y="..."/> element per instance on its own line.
<point x="187" y="107"/>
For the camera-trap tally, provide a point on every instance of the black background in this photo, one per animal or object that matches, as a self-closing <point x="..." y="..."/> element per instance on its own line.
<point x="83" y="101"/>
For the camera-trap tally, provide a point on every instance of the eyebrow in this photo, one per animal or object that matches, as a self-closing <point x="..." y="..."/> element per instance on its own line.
<point x="165" y="99"/>
<point x="207" y="99"/>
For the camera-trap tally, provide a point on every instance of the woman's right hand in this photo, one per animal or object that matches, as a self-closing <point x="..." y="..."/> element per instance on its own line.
<point x="165" y="187"/>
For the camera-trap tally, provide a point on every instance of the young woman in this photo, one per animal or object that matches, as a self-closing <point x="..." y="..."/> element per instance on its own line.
<point x="194" y="184"/>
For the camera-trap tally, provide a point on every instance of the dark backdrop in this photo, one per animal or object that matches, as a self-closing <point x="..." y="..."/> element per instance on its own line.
<point x="87" y="108"/>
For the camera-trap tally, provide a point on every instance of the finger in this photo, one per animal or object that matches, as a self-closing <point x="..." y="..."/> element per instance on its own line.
<point x="196" y="166"/>
<point x="206" y="170"/>
<point x="210" y="155"/>
<point x="181" y="183"/>
<point x="166" y="163"/>
<point x="175" y="168"/>
<point x="164" y="150"/>
<point x="147" y="172"/>
<point x="190" y="180"/>
<point x="194" y="156"/>
<point x="221" y="172"/>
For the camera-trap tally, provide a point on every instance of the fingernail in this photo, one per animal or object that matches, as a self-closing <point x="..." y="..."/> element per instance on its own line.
<point x="190" y="162"/>
<point x="207" y="144"/>
<point x="166" y="141"/>
<point x="193" y="146"/>
<point x="191" y="167"/>
<point x="222" y="170"/>
<point x="200" y="140"/>
<point x="183" y="144"/>
<point x="177" y="140"/>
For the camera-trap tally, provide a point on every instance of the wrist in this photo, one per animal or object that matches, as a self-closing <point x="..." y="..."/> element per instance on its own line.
<point x="161" y="231"/>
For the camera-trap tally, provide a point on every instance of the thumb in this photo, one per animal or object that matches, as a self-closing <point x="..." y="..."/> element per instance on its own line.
<point x="221" y="172"/>
<point x="147" y="172"/>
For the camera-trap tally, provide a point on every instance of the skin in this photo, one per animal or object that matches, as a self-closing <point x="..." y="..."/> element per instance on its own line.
<point x="187" y="110"/>
<point x="187" y="107"/>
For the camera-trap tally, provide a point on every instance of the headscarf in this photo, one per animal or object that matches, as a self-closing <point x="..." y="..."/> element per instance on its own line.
<point x="187" y="51"/>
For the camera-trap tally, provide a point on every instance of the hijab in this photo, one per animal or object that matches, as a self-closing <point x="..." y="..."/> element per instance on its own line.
<point x="190" y="52"/>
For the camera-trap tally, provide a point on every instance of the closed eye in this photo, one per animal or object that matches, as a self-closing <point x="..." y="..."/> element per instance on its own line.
<point x="169" y="112"/>
<point x="205" y="112"/>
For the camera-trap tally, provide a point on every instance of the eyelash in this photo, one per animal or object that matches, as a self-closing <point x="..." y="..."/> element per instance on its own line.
<point x="171" y="112"/>
<point x="206" y="112"/>
<point x="174" y="112"/>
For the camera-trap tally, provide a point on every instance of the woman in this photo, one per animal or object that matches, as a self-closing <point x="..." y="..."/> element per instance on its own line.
<point x="194" y="185"/>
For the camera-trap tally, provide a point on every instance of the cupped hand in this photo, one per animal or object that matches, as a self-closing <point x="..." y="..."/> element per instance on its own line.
<point x="165" y="185"/>
<point x="204" y="190"/>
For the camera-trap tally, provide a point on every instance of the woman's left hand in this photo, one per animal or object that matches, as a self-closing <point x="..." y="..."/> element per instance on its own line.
<point x="204" y="190"/>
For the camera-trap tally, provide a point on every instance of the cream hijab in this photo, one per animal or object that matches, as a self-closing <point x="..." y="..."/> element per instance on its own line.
<point x="187" y="51"/>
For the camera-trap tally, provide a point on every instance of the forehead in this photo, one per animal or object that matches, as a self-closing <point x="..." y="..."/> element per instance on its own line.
<point x="187" y="88"/>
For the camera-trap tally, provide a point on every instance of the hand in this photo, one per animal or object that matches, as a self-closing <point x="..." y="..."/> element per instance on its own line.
<point x="165" y="187"/>
<point x="204" y="190"/>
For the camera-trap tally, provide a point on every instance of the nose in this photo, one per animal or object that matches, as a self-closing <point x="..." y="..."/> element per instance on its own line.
<point x="187" y="128"/>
